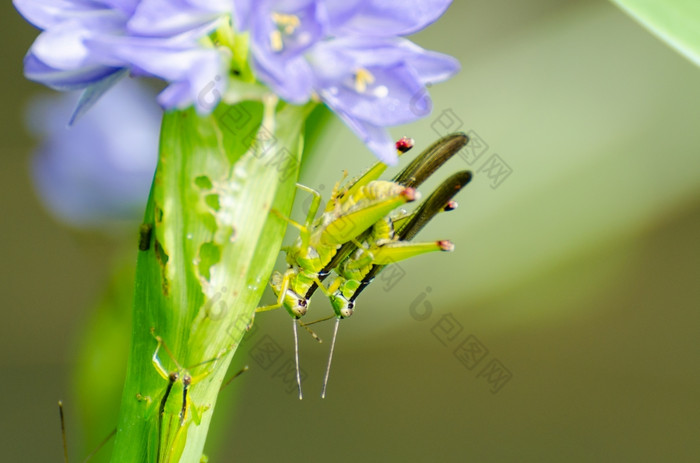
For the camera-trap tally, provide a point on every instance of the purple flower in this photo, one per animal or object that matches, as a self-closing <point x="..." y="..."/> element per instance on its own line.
<point x="89" y="44"/>
<point x="350" y="55"/>
<point x="281" y="33"/>
<point x="165" y="18"/>
<point x="373" y="83"/>
<point x="60" y="57"/>
<point x="96" y="173"/>
<point x="381" y="18"/>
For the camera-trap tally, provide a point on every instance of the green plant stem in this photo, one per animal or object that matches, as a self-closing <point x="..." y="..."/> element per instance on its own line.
<point x="211" y="246"/>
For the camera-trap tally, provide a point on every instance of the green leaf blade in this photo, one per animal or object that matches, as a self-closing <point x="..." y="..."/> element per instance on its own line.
<point x="676" y="22"/>
<point x="213" y="248"/>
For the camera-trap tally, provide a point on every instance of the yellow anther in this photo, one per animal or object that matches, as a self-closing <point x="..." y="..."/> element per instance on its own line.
<point x="287" y="23"/>
<point x="276" y="42"/>
<point x="362" y="78"/>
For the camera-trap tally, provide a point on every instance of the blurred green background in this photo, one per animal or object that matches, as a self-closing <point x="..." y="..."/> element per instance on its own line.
<point x="577" y="275"/>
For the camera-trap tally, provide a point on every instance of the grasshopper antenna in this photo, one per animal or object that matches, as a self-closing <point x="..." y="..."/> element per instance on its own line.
<point x="330" y="358"/>
<point x="63" y="431"/>
<point x="102" y="444"/>
<point x="65" y="445"/>
<point x="235" y="375"/>
<point x="296" y="356"/>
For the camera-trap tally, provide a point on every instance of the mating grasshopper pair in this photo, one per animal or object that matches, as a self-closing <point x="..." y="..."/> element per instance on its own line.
<point x="358" y="234"/>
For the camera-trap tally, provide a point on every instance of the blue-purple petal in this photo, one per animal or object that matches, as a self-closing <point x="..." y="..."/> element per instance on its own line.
<point x="292" y="80"/>
<point x="64" y="46"/>
<point x="91" y="175"/>
<point x="349" y="53"/>
<point x="127" y="7"/>
<point x="381" y="18"/>
<point x="64" y="80"/>
<point x="433" y="67"/>
<point x="310" y="30"/>
<point x="242" y="12"/>
<point x="48" y="13"/>
<point x="196" y="70"/>
<point x="163" y="18"/>
<point x="395" y="97"/>
<point x="281" y="64"/>
<point x="393" y="91"/>
<point x="94" y="91"/>
<point x="377" y="138"/>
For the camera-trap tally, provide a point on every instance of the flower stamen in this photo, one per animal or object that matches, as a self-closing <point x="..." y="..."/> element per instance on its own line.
<point x="363" y="78"/>
<point x="276" y="42"/>
<point x="287" y="24"/>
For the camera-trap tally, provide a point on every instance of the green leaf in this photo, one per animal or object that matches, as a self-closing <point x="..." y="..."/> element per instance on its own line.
<point x="209" y="247"/>
<point x="676" y="22"/>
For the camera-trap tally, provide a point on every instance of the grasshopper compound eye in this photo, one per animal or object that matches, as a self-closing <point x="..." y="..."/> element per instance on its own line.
<point x="300" y="307"/>
<point x="348" y="310"/>
<point x="342" y="307"/>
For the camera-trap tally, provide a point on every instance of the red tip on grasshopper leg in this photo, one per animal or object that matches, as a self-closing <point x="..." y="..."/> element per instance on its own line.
<point x="410" y="194"/>
<point x="450" y="206"/>
<point x="446" y="245"/>
<point x="404" y="144"/>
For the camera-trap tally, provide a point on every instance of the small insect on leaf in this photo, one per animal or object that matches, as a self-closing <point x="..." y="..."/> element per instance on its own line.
<point x="359" y="233"/>
<point x="350" y="212"/>
<point x="388" y="241"/>
<point x="175" y="410"/>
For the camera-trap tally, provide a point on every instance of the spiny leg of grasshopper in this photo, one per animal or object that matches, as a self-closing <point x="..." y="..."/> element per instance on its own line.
<point x="382" y="249"/>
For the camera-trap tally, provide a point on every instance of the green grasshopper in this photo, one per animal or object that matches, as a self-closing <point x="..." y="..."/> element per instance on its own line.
<point x="388" y="240"/>
<point x="387" y="243"/>
<point x="413" y="175"/>
<point x="349" y="213"/>
<point x="174" y="416"/>
<point x="175" y="409"/>
<point x="419" y="170"/>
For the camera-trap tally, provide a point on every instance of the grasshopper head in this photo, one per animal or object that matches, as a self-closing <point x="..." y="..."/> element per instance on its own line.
<point x="295" y="304"/>
<point x="341" y="305"/>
